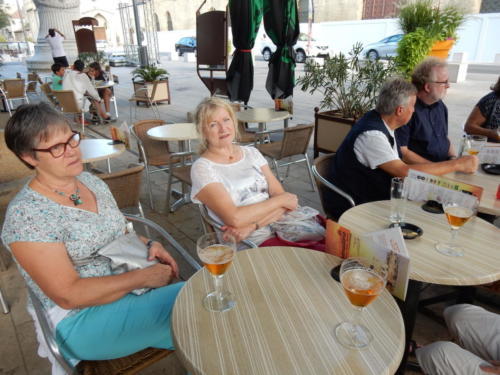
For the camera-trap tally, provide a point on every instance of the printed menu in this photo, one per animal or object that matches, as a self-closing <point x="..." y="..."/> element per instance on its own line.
<point x="121" y="134"/>
<point x="490" y="154"/>
<point x="387" y="246"/>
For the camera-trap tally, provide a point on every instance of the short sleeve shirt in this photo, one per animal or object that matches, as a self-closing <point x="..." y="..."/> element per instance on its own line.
<point x="427" y="132"/>
<point x="56" y="82"/>
<point x="372" y="148"/>
<point x="56" y="45"/>
<point x="489" y="105"/>
<point x="32" y="217"/>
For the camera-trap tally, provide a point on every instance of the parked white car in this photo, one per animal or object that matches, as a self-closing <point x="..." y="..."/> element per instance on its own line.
<point x="302" y="51"/>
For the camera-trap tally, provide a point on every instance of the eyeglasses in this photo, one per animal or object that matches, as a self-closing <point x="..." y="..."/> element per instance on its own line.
<point x="59" y="149"/>
<point x="446" y="83"/>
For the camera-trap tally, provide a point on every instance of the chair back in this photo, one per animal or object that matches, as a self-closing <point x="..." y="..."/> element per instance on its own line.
<point x="320" y="169"/>
<point x="45" y="87"/>
<point x="67" y="101"/>
<point x="33" y="80"/>
<point x="296" y="140"/>
<point x="156" y="152"/>
<point x="14" y="88"/>
<point x="125" y="185"/>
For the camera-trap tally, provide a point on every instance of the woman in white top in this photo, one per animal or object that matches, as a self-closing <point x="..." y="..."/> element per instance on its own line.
<point x="55" y="39"/>
<point x="233" y="181"/>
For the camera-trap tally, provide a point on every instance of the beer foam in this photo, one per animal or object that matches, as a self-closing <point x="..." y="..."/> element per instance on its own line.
<point x="216" y="254"/>
<point x="360" y="279"/>
<point x="459" y="211"/>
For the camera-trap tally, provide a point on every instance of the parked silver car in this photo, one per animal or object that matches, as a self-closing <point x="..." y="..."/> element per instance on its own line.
<point x="387" y="47"/>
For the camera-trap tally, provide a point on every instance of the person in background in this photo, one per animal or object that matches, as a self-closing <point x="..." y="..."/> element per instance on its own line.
<point x="55" y="39"/>
<point x="485" y="117"/>
<point x="54" y="227"/>
<point x="370" y="156"/>
<point x="57" y="76"/>
<point x="477" y="351"/>
<point x="76" y="80"/>
<point x="96" y="72"/>
<point x="425" y="138"/>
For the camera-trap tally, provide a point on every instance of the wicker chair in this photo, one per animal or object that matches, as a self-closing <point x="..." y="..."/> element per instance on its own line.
<point x="145" y="94"/>
<point x="131" y="364"/>
<point x="32" y="84"/>
<point x="153" y="153"/>
<point x="47" y="90"/>
<point x="181" y="171"/>
<point x="295" y="142"/>
<point x="320" y="169"/>
<point x="14" y="89"/>
<point x="126" y="187"/>
<point x="69" y="105"/>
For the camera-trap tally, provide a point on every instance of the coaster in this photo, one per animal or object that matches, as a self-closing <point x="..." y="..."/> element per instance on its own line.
<point x="491" y="168"/>
<point x="410" y="231"/>
<point x="335" y="272"/>
<point x="433" y="207"/>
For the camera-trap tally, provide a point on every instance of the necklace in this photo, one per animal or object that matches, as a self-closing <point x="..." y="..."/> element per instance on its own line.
<point x="75" y="197"/>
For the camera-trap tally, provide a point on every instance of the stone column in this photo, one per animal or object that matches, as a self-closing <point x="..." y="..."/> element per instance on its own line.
<point x="56" y="14"/>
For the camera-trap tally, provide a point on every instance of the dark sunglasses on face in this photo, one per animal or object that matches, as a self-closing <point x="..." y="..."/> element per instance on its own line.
<point x="59" y="149"/>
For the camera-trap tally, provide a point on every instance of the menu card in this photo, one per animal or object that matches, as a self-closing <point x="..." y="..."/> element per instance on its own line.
<point x="420" y="186"/>
<point x="387" y="246"/>
<point x="490" y="154"/>
<point x="121" y="134"/>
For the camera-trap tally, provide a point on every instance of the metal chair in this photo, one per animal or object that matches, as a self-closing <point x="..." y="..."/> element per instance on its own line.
<point x="153" y="153"/>
<point x="68" y="104"/>
<point x="146" y="93"/>
<point x="181" y="171"/>
<point x="131" y="364"/>
<point x="295" y="142"/>
<point x="126" y="187"/>
<point x="211" y="226"/>
<point x="32" y="84"/>
<point x="5" y="307"/>
<point x="14" y="89"/>
<point x="47" y="90"/>
<point x="319" y="170"/>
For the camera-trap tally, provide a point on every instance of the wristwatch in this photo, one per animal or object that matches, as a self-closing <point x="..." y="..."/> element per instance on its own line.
<point x="149" y="244"/>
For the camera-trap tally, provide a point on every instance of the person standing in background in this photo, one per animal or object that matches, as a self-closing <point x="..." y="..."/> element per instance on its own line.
<point x="55" y="39"/>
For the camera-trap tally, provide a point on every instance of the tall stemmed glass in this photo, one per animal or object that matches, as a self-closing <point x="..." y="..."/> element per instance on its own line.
<point x="475" y="143"/>
<point x="363" y="280"/>
<point x="216" y="251"/>
<point x="457" y="214"/>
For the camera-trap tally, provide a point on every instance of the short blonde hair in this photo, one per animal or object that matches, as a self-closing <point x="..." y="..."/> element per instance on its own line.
<point x="204" y="113"/>
<point x="424" y="72"/>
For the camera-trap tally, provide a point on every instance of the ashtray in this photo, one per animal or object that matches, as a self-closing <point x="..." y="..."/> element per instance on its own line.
<point x="410" y="231"/>
<point x="491" y="168"/>
<point x="335" y="272"/>
<point x="433" y="207"/>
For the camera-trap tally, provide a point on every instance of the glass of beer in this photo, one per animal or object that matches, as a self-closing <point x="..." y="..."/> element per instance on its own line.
<point x="457" y="215"/>
<point x="363" y="280"/>
<point x="216" y="251"/>
<point x="474" y="143"/>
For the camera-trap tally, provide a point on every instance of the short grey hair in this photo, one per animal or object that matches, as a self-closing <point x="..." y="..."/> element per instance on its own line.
<point x="425" y="73"/>
<point x="394" y="93"/>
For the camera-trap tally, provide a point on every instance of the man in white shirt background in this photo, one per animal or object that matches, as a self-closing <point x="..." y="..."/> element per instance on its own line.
<point x="55" y="39"/>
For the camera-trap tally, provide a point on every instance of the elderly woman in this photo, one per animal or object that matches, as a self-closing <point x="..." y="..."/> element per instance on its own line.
<point x="64" y="215"/>
<point x="485" y="117"/>
<point x="233" y="181"/>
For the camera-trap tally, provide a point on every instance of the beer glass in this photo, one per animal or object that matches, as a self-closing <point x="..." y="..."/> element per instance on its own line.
<point x="457" y="215"/>
<point x="363" y="280"/>
<point x="216" y="251"/>
<point x="398" y="201"/>
<point x="474" y="143"/>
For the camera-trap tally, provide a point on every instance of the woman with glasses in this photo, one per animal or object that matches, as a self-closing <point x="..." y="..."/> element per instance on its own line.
<point x="63" y="216"/>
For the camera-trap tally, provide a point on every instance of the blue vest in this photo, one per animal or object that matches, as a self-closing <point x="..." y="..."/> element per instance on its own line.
<point x="362" y="183"/>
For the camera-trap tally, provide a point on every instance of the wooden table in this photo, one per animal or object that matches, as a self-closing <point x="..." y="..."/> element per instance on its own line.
<point x="262" y="116"/>
<point x="489" y="203"/>
<point x="479" y="265"/>
<point x="182" y="133"/>
<point x="287" y="306"/>
<point x="100" y="149"/>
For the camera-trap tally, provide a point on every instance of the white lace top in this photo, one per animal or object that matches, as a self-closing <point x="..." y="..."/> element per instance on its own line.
<point x="243" y="180"/>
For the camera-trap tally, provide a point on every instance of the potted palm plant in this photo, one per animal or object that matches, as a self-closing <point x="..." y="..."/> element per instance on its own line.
<point x="151" y="81"/>
<point x="350" y="86"/>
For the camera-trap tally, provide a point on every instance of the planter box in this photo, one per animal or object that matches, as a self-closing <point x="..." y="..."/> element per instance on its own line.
<point x="329" y="131"/>
<point x="442" y="48"/>
<point x="162" y="93"/>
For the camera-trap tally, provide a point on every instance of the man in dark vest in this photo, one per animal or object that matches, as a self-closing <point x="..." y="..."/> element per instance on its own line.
<point x="425" y="138"/>
<point x="369" y="156"/>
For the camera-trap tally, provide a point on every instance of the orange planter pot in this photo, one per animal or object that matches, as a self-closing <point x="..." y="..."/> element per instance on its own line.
<point x="442" y="48"/>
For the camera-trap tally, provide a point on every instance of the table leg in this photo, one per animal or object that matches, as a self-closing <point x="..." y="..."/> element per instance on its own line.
<point x="285" y="123"/>
<point x="409" y="309"/>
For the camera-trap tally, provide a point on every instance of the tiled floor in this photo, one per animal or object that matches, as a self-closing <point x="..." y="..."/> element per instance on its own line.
<point x="18" y="344"/>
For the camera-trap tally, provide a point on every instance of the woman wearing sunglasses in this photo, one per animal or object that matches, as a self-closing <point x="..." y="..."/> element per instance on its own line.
<point x="64" y="215"/>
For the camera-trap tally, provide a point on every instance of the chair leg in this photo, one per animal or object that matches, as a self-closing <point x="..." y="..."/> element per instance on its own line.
<point x="141" y="213"/>
<point x="114" y="103"/>
<point x="169" y="191"/>
<point x="275" y="163"/>
<point x="5" y="307"/>
<point x="311" y="177"/>
<point x="150" y="191"/>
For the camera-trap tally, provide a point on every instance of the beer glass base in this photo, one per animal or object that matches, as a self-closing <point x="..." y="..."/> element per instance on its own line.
<point x="449" y="249"/>
<point x="353" y="336"/>
<point x="214" y="302"/>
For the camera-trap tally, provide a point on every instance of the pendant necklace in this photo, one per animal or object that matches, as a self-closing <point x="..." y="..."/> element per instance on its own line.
<point x="75" y="197"/>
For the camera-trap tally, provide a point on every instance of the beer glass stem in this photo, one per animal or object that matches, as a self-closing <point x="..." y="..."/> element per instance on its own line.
<point x="218" y="286"/>
<point x="454" y="233"/>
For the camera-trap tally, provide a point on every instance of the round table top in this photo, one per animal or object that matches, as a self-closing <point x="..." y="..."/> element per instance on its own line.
<point x="261" y="115"/>
<point x="479" y="265"/>
<point x="99" y="149"/>
<point x="287" y="307"/>
<point x="489" y="203"/>
<point x="174" y="132"/>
